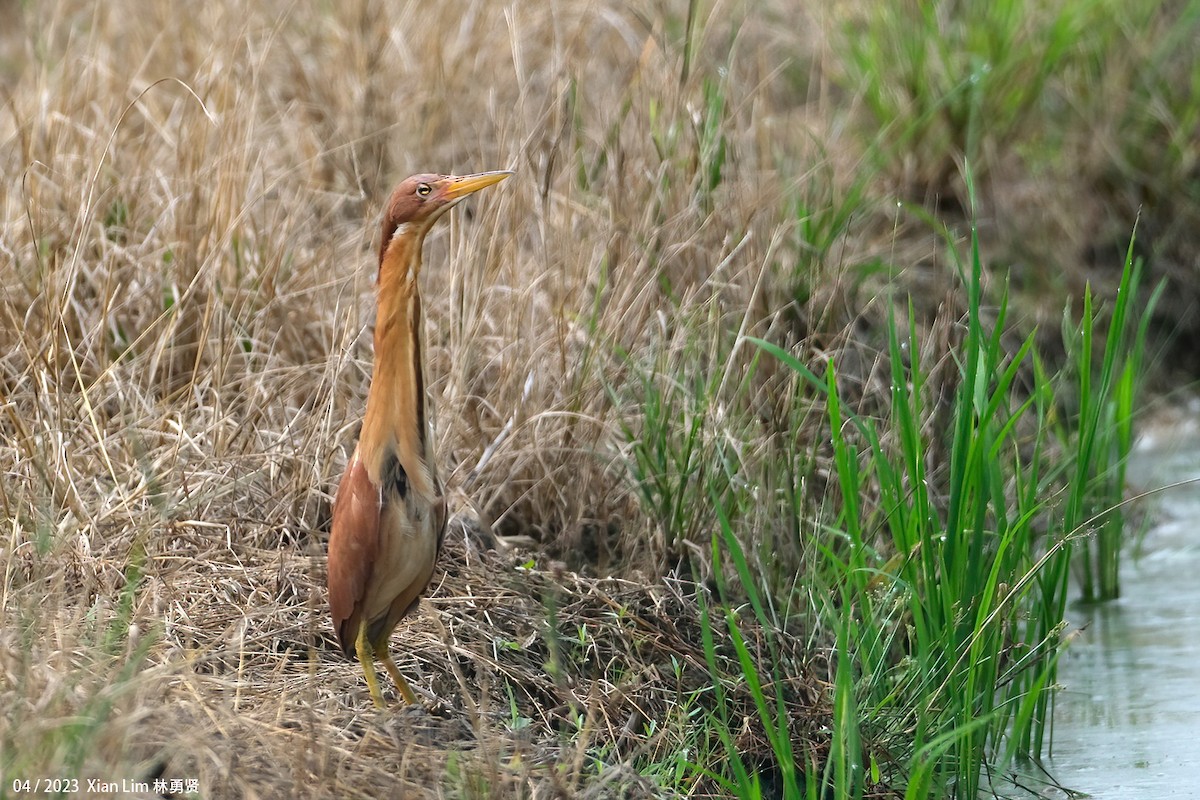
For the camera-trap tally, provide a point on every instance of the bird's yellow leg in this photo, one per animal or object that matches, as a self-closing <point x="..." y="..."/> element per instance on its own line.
<point x="383" y="655"/>
<point x="364" y="658"/>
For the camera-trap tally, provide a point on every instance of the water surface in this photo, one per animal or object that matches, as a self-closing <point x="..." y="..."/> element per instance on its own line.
<point x="1127" y="723"/>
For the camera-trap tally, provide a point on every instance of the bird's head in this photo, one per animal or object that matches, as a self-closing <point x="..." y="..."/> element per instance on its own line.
<point x="420" y="200"/>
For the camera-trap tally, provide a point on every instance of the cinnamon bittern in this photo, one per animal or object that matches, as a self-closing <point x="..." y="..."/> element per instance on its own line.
<point x="389" y="515"/>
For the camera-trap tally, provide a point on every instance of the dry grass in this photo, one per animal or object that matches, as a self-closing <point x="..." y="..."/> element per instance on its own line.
<point x="242" y="688"/>
<point x="185" y="337"/>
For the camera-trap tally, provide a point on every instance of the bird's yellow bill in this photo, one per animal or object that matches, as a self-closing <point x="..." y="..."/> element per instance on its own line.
<point x="463" y="185"/>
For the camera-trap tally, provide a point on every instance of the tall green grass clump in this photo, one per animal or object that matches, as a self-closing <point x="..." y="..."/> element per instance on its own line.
<point x="1102" y="435"/>
<point x="949" y="639"/>
<point x="946" y="557"/>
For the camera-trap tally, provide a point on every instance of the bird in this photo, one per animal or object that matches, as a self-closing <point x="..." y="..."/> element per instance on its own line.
<point x="389" y="513"/>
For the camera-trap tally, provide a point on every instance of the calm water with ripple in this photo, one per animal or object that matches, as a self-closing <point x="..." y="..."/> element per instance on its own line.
<point x="1127" y="723"/>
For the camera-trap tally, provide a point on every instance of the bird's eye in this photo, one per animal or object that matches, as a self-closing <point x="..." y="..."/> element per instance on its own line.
<point x="423" y="189"/>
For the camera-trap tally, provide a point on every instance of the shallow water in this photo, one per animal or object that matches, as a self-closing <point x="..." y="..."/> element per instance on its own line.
<point x="1127" y="723"/>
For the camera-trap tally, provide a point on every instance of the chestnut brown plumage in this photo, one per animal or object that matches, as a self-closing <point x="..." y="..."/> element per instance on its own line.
<point x="390" y="514"/>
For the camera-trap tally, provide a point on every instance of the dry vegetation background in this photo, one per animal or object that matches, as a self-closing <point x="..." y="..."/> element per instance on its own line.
<point x="185" y="244"/>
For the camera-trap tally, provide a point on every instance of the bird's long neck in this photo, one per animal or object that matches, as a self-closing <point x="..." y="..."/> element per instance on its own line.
<point x="396" y="426"/>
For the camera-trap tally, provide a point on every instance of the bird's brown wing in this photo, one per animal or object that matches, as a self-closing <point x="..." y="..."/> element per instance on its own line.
<point x="353" y="547"/>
